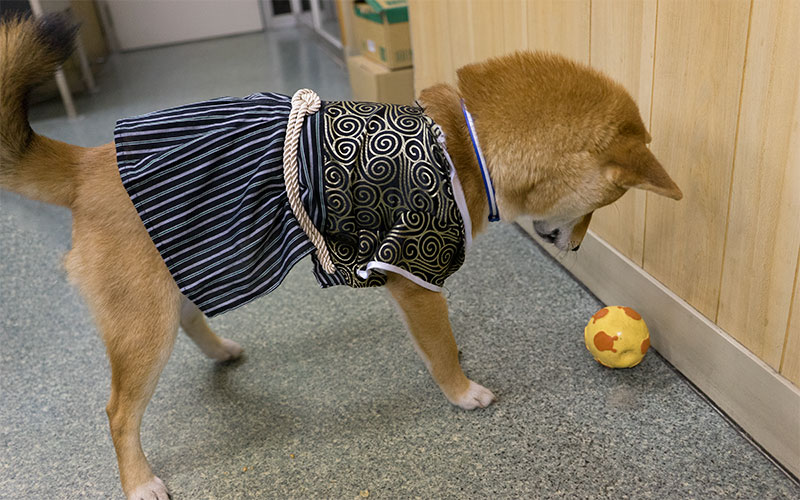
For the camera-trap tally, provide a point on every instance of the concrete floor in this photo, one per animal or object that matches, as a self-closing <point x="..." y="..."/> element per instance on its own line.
<point x="331" y="399"/>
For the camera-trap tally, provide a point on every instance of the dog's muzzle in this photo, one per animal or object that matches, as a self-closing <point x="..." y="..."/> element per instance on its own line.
<point x="548" y="236"/>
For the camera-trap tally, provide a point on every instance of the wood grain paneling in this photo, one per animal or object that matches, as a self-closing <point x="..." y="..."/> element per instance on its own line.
<point x="560" y="26"/>
<point x="453" y="33"/>
<point x="515" y="25"/>
<point x="423" y="60"/>
<point x="790" y="365"/>
<point x="463" y="39"/>
<point x="697" y="85"/>
<point x="487" y="28"/>
<point x="764" y="218"/>
<point x="622" y="46"/>
<point x="430" y="43"/>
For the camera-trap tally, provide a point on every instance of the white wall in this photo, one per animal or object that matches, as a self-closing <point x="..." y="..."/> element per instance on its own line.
<point x="147" y="23"/>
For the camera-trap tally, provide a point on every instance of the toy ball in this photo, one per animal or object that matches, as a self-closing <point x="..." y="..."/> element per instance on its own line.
<point x="617" y="337"/>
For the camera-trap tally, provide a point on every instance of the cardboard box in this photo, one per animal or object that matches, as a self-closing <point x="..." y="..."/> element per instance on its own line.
<point x="375" y="83"/>
<point x="381" y="27"/>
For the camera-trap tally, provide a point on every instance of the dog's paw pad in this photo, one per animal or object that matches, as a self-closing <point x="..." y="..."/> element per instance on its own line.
<point x="151" y="490"/>
<point x="229" y="350"/>
<point x="476" y="396"/>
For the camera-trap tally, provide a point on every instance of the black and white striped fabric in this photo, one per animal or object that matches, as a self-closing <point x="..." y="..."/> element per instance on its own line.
<point x="207" y="182"/>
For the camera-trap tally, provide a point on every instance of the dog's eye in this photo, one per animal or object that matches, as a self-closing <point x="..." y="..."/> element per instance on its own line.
<point x="630" y="128"/>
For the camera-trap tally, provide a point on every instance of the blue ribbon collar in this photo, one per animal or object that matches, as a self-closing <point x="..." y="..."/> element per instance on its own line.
<point x="494" y="212"/>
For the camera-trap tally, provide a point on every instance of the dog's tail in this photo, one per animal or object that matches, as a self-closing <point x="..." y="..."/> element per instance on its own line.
<point x="32" y="165"/>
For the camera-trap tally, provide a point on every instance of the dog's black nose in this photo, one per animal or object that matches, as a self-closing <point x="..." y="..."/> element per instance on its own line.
<point x="549" y="237"/>
<point x="552" y="237"/>
<point x="576" y="248"/>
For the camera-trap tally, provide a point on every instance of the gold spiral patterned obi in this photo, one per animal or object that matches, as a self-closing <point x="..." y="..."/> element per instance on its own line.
<point x="389" y="201"/>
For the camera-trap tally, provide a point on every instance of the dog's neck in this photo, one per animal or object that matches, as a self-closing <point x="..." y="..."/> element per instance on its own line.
<point x="443" y="104"/>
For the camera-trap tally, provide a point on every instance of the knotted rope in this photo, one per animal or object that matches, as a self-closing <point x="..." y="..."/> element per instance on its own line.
<point x="304" y="102"/>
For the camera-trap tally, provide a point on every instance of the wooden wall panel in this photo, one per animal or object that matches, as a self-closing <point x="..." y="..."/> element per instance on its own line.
<point x="424" y="62"/>
<point x="451" y="33"/>
<point x="790" y="364"/>
<point x="487" y="28"/>
<point x="560" y="26"/>
<point x="515" y="25"/>
<point x="622" y="46"/>
<point x="462" y="35"/>
<point x="458" y="32"/>
<point x="763" y="234"/>
<point x="697" y="85"/>
<point x="430" y="43"/>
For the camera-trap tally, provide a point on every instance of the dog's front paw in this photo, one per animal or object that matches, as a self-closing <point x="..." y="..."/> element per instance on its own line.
<point x="476" y="396"/>
<point x="151" y="490"/>
<point x="229" y="351"/>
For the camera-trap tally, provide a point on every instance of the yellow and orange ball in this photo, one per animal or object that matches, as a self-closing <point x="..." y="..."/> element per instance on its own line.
<point x="617" y="337"/>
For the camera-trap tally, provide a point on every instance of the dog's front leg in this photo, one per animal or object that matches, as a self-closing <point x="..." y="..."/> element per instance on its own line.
<point x="194" y="324"/>
<point x="425" y="313"/>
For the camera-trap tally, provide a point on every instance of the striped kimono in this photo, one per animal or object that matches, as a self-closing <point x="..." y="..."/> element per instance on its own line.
<point x="207" y="181"/>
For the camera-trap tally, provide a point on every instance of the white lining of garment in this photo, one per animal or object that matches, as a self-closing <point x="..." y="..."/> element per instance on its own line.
<point x="458" y="194"/>
<point x="383" y="266"/>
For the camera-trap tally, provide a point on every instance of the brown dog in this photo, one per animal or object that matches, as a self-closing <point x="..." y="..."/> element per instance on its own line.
<point x="559" y="139"/>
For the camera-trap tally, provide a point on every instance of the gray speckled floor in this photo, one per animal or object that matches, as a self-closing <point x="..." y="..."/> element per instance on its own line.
<point x="331" y="398"/>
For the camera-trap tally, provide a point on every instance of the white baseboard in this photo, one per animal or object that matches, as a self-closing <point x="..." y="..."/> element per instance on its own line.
<point x="756" y="397"/>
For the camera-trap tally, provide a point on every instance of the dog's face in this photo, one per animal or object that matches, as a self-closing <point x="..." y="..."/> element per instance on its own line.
<point x="602" y="179"/>
<point x="561" y="140"/>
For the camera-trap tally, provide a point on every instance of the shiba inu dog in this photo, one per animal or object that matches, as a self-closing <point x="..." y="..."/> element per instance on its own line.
<point x="556" y="140"/>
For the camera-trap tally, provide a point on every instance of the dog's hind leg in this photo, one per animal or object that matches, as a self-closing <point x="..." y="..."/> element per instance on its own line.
<point x="426" y="315"/>
<point x="138" y="349"/>
<point x="139" y="332"/>
<point x="136" y="306"/>
<point x="194" y="324"/>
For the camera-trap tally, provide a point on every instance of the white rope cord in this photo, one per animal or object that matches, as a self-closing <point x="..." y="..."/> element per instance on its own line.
<point x="304" y="102"/>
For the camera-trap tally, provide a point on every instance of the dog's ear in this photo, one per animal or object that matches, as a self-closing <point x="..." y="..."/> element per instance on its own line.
<point x="634" y="166"/>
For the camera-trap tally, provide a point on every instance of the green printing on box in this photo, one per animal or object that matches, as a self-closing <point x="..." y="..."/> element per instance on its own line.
<point x="392" y="11"/>
<point x="403" y="55"/>
<point x="399" y="55"/>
